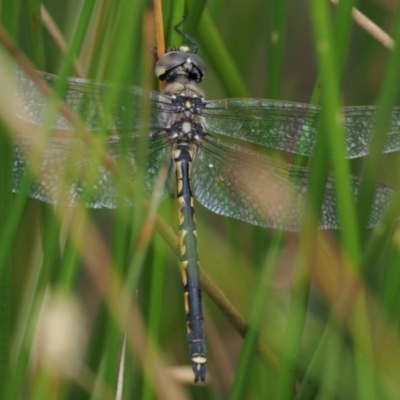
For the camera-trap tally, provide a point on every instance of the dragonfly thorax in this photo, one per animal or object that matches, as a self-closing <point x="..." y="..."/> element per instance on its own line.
<point x="187" y="130"/>
<point x="182" y="114"/>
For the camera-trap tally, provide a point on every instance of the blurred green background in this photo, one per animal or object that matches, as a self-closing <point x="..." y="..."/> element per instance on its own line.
<point x="332" y="361"/>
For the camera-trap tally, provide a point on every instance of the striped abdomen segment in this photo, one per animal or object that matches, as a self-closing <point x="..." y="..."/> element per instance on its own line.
<point x="183" y="154"/>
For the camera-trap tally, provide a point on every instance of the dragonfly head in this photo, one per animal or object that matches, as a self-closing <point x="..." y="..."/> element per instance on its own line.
<point x="182" y="62"/>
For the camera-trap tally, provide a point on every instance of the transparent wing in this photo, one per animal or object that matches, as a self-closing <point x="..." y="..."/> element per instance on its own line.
<point x="101" y="105"/>
<point x="228" y="180"/>
<point x="241" y="184"/>
<point x="282" y="125"/>
<point x="292" y="127"/>
<point x="66" y="172"/>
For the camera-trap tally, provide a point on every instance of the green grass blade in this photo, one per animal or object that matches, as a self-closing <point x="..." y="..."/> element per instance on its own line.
<point x="386" y="99"/>
<point x="277" y="31"/>
<point x="219" y="57"/>
<point x="9" y="19"/>
<point x="247" y="356"/>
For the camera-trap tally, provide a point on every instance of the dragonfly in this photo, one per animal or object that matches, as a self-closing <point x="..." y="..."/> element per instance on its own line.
<point x="208" y="145"/>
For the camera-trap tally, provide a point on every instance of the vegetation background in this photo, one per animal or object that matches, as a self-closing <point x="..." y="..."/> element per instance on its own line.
<point x="321" y="307"/>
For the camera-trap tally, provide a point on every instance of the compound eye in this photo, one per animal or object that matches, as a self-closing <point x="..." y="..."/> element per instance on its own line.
<point x="198" y="63"/>
<point x="169" y="61"/>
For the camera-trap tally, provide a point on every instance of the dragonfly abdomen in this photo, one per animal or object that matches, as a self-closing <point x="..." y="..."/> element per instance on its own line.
<point x="183" y="154"/>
